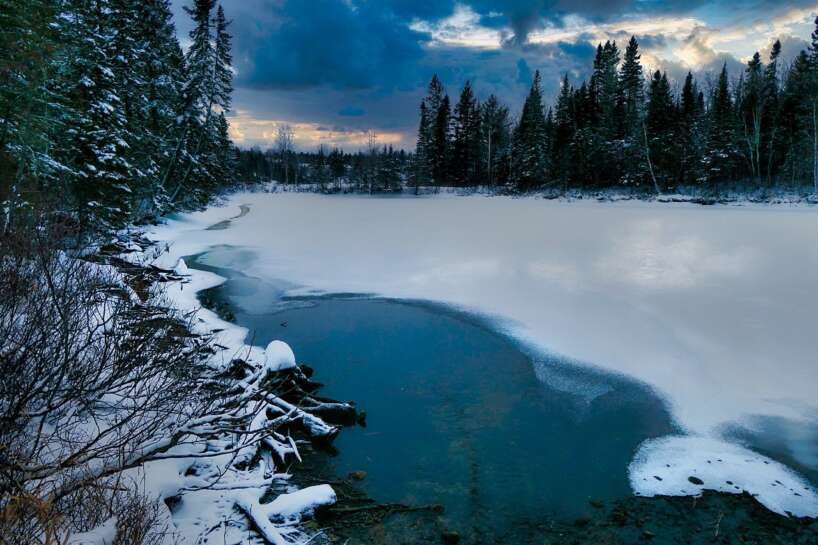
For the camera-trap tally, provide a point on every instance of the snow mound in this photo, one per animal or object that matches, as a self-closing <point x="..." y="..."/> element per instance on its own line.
<point x="279" y="356"/>
<point x="104" y="534"/>
<point x="687" y="465"/>
<point x="166" y="260"/>
<point x="181" y="268"/>
<point x="293" y="506"/>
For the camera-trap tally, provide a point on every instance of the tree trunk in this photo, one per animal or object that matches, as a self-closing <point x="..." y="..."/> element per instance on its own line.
<point x="647" y="156"/>
<point x="815" y="145"/>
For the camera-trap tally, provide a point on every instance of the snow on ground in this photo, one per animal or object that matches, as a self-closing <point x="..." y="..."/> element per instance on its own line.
<point x="715" y="307"/>
<point x="105" y="534"/>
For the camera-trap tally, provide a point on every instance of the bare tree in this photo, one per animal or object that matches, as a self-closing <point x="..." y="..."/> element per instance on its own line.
<point x="284" y="147"/>
<point x="96" y="380"/>
<point x="371" y="158"/>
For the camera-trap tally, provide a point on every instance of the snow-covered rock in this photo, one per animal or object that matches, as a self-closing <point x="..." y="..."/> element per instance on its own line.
<point x="279" y="356"/>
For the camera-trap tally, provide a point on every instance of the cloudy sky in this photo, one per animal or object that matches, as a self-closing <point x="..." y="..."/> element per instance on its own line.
<point x="334" y="69"/>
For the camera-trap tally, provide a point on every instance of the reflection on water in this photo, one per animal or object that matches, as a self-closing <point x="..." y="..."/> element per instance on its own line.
<point x="456" y="412"/>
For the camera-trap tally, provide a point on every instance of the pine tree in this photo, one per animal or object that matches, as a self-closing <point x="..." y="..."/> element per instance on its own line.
<point x="751" y="108"/>
<point x="466" y="138"/>
<point x="441" y="142"/>
<point x="27" y="106"/>
<point x="772" y="114"/>
<point x="528" y="155"/>
<point x="437" y="139"/>
<point x="603" y="138"/>
<point x="225" y="151"/>
<point x="223" y="84"/>
<point x="423" y="164"/>
<point x="584" y="142"/>
<point x="96" y="101"/>
<point x="200" y="58"/>
<point x="164" y="79"/>
<point x="690" y="127"/>
<point x="813" y="99"/>
<point x="495" y="140"/>
<point x="96" y="133"/>
<point x="721" y="152"/>
<point x="631" y="93"/>
<point x="564" y="130"/>
<point x="604" y="89"/>
<point x="660" y="126"/>
<point x="796" y="120"/>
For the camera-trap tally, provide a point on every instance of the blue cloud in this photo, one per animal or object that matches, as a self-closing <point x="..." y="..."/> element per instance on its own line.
<point x="351" y="111"/>
<point x="524" y="75"/>
<point x="326" y="42"/>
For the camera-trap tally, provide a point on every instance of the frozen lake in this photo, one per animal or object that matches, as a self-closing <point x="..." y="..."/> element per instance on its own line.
<point x="714" y="308"/>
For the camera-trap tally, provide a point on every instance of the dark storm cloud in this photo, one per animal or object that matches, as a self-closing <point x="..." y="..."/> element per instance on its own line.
<point x="523" y="16"/>
<point x="326" y="42"/>
<point x="291" y="44"/>
<point x="362" y="64"/>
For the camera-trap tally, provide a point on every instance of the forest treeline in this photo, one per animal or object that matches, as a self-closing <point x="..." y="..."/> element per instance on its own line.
<point x="103" y="116"/>
<point x="621" y="129"/>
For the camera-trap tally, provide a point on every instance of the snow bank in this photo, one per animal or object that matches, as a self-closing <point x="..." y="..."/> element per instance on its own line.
<point x="206" y="491"/>
<point x="279" y="356"/>
<point x="685" y="465"/>
<point x="104" y="534"/>
<point x="291" y="507"/>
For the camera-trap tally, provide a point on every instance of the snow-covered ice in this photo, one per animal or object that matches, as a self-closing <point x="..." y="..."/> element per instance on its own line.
<point x="684" y="466"/>
<point x="715" y="307"/>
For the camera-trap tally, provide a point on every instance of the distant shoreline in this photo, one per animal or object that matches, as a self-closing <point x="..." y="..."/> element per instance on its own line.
<point x="772" y="197"/>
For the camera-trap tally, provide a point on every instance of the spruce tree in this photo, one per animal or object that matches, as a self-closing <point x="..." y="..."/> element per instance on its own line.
<point x="495" y="140"/>
<point x="770" y="155"/>
<point x="28" y="166"/>
<point x="604" y="135"/>
<point x="631" y="93"/>
<point x="437" y="139"/>
<point x="752" y="108"/>
<point x="721" y="152"/>
<point x="528" y="156"/>
<point x="441" y="137"/>
<point x="466" y="138"/>
<point x="796" y="120"/>
<point x="660" y="126"/>
<point x="201" y="61"/>
<point x="422" y="166"/>
<point x="223" y="84"/>
<point x="563" y="133"/>
<point x="691" y="139"/>
<point x="96" y="132"/>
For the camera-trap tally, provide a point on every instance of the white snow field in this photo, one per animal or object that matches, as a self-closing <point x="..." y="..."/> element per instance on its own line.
<point x="715" y="307"/>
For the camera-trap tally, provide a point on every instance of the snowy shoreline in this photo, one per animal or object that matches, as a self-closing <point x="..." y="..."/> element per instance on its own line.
<point x="784" y="199"/>
<point x="199" y="506"/>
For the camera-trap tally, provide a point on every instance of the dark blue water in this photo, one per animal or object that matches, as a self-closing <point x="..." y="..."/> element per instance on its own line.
<point x="458" y="413"/>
